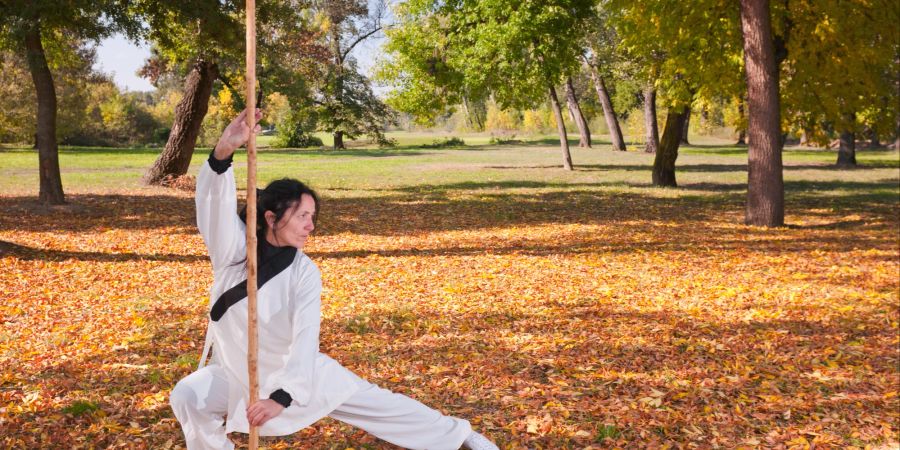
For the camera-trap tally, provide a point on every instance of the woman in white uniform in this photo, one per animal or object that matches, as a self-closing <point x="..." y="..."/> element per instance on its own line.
<point x="298" y="385"/>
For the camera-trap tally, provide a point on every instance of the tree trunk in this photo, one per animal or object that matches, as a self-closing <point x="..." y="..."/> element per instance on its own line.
<point x="804" y="138"/>
<point x="873" y="138"/>
<point x="51" y="190"/>
<point x="687" y="125"/>
<point x="765" y="188"/>
<point x="650" y="126"/>
<point x="561" y="127"/>
<point x="742" y="133"/>
<point x="338" y="81"/>
<point x="615" y="133"/>
<point x="664" y="163"/>
<point x="847" y="148"/>
<point x="584" y="132"/>
<point x="176" y="156"/>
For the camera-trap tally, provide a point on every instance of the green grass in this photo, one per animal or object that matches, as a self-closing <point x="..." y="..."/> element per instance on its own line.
<point x="80" y="407"/>
<point x="711" y="168"/>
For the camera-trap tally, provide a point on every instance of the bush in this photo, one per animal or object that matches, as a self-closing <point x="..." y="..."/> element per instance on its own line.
<point x="295" y="130"/>
<point x="448" y="142"/>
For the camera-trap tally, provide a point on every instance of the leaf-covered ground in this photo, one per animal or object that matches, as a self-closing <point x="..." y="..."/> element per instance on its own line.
<point x="550" y="314"/>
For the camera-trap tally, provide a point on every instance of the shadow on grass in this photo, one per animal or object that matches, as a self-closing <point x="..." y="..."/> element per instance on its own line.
<point x="679" y="168"/>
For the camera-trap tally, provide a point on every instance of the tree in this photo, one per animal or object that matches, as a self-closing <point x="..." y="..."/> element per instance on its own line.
<point x="664" y="162"/>
<point x="354" y="109"/>
<point x="443" y="50"/>
<point x="765" y="186"/>
<point x="602" y="43"/>
<point x="197" y="37"/>
<point x="575" y="113"/>
<point x="175" y="158"/>
<point x="680" y="60"/>
<point x="687" y="126"/>
<point x="30" y="28"/>
<point x="839" y="69"/>
<point x="651" y="129"/>
<point x="609" y="113"/>
<point x="847" y="148"/>
<point x="350" y="107"/>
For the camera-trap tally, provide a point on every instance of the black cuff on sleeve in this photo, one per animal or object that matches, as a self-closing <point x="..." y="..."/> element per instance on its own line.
<point x="219" y="166"/>
<point x="281" y="397"/>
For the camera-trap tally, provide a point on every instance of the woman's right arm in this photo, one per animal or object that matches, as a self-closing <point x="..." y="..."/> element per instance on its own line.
<point x="216" y="198"/>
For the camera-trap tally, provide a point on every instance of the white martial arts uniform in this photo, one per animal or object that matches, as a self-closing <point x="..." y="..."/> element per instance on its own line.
<point x="289" y="308"/>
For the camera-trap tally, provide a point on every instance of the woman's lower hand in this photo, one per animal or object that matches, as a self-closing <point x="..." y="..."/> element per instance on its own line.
<point x="263" y="410"/>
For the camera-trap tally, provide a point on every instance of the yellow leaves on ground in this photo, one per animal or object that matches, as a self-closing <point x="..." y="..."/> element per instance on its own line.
<point x="600" y="321"/>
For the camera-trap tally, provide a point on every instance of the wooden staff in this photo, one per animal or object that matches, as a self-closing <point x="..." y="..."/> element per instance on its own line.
<point x="252" y="344"/>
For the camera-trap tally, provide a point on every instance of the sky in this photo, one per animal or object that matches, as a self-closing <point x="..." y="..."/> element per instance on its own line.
<point x="122" y="58"/>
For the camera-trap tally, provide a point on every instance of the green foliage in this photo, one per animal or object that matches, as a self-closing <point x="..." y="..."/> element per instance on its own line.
<point x="452" y="141"/>
<point x="607" y="431"/>
<point x="90" y="108"/>
<point x="80" y="407"/>
<point x="295" y="131"/>
<point x="351" y="106"/>
<point x="17" y="100"/>
<point x="838" y="69"/>
<point x="501" y="119"/>
<point x="444" y="51"/>
<point x="841" y="67"/>
<point x="686" y="49"/>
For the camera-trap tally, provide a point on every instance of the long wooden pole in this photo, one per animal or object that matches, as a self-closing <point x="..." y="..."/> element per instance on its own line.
<point x="252" y="344"/>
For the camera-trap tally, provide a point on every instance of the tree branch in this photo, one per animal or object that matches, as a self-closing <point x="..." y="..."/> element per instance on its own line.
<point x="357" y="41"/>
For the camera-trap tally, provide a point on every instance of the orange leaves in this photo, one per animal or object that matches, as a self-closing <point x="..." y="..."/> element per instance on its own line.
<point x="547" y="326"/>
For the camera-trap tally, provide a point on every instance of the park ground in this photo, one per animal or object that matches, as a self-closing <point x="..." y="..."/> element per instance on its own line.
<point x="552" y="309"/>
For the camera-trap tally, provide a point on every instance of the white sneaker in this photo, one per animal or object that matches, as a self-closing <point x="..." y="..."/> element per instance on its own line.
<point x="476" y="441"/>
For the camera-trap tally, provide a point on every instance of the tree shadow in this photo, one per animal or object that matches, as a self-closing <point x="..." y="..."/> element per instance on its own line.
<point x="26" y="253"/>
<point x="458" y="206"/>
<point x="703" y="168"/>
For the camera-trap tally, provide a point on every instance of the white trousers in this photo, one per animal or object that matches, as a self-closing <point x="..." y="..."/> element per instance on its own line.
<point x="200" y="403"/>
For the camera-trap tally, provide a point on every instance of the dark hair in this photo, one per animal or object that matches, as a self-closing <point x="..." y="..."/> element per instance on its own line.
<point x="279" y="196"/>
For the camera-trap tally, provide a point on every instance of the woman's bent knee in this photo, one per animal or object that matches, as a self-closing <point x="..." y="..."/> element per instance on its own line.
<point x="182" y="397"/>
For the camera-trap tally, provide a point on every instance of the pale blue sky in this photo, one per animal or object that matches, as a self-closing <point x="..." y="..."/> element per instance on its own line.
<point x="122" y="59"/>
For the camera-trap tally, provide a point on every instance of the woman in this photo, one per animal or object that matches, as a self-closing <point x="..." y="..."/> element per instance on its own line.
<point x="298" y="385"/>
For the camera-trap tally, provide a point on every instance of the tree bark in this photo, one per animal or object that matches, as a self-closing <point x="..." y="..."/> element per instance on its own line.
<point x="687" y="125"/>
<point x="176" y="156"/>
<point x="847" y="149"/>
<point x="338" y="81"/>
<point x="664" y="163"/>
<point x="874" y="142"/>
<point x="650" y="125"/>
<point x="742" y="133"/>
<point x="615" y="133"/>
<point x="765" y="188"/>
<point x="561" y="128"/>
<point x="51" y="190"/>
<point x="584" y="132"/>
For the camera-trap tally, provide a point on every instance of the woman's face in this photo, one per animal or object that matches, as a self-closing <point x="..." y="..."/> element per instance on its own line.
<point x="295" y="225"/>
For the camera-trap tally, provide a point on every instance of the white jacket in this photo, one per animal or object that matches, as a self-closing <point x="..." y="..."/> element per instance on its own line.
<point x="289" y="307"/>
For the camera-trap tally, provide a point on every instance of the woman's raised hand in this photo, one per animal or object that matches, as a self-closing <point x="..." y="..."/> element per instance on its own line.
<point x="235" y="135"/>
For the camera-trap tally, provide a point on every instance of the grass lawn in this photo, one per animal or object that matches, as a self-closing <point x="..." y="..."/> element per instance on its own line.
<point x="551" y="308"/>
